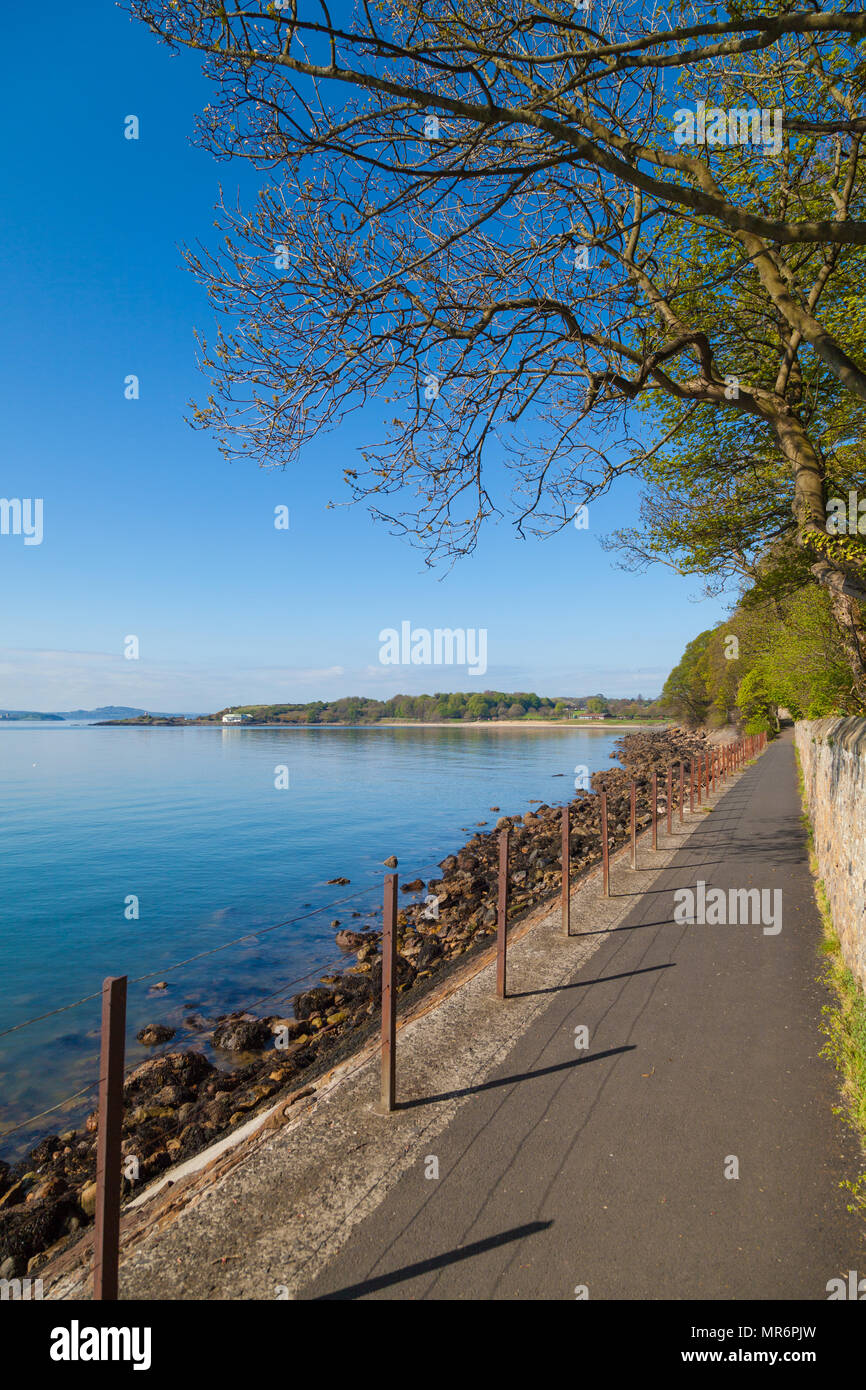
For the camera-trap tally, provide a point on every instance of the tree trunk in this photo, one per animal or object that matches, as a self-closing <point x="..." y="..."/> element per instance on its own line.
<point x="842" y="578"/>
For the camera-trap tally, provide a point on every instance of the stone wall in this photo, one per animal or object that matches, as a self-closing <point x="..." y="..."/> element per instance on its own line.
<point x="833" y="758"/>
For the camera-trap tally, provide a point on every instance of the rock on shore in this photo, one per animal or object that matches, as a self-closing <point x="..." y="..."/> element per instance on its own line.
<point x="178" y="1103"/>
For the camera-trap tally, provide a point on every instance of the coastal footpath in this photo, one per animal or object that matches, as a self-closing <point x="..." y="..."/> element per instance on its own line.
<point x="222" y="1071"/>
<point x="688" y="1147"/>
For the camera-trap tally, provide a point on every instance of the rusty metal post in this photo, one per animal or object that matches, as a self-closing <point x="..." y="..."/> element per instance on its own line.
<point x="388" y="1079"/>
<point x="708" y="777"/>
<point x="655" y="809"/>
<point x="106" y="1237"/>
<point x="566" y="870"/>
<point x="682" y="790"/>
<point x="502" y="919"/>
<point x="634" y="824"/>
<point x="691" y="784"/>
<point x="605" y="853"/>
<point x="700" y="773"/>
<point x="670" y="793"/>
<point x="713" y="761"/>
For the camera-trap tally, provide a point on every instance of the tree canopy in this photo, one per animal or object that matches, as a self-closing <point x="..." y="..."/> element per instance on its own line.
<point x="499" y="219"/>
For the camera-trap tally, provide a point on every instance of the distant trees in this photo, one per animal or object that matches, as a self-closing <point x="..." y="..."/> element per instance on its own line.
<point x="443" y="707"/>
<point x="770" y="654"/>
<point x="685" y="693"/>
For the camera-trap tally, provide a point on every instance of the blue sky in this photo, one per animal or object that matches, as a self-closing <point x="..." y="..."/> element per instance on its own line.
<point x="146" y="529"/>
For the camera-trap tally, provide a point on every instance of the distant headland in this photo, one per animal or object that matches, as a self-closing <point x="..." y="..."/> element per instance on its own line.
<point x="489" y="706"/>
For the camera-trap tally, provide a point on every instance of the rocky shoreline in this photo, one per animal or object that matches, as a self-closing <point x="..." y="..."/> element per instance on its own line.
<point x="178" y="1103"/>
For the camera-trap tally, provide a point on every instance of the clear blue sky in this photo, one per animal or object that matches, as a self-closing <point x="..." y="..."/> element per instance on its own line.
<point x="147" y="531"/>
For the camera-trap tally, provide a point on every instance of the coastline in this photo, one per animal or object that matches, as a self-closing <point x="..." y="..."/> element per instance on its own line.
<point x="602" y="725"/>
<point x="178" y="1104"/>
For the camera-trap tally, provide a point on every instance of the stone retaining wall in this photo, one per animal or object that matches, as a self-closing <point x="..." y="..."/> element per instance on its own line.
<point x="833" y="757"/>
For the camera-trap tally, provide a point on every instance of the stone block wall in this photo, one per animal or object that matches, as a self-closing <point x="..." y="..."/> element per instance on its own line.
<point x="833" y="758"/>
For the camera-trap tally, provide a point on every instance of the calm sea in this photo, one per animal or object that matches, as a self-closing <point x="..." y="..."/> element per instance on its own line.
<point x="189" y="829"/>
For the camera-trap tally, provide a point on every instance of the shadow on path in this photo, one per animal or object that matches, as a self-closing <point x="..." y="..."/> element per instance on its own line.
<point x="466" y="1252"/>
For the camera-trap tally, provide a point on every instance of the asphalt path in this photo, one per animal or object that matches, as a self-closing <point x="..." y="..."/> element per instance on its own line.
<point x="691" y="1150"/>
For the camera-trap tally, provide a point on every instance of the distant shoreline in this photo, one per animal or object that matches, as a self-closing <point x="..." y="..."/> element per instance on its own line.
<point x="572" y="724"/>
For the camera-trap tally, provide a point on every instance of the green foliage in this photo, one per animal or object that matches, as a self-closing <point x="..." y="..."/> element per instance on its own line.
<point x="686" y="693"/>
<point x="755" y="703"/>
<point x="444" y="707"/>
<point x="773" y="652"/>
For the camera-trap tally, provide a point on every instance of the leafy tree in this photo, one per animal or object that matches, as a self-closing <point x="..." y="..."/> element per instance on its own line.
<point x="496" y="225"/>
<point x="785" y="652"/>
<point x="478" y="706"/>
<point x="686" y="694"/>
<point x="756" y="703"/>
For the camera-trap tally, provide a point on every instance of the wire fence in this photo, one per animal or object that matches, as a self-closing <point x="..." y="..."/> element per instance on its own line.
<point x="630" y="809"/>
<point x="251" y="934"/>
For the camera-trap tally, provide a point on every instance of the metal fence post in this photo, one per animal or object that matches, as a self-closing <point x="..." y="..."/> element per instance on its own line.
<point x="502" y="918"/>
<point x="388" y="1077"/>
<point x="670" y="793"/>
<point x="106" y="1238"/>
<point x="682" y="789"/>
<point x="655" y="808"/>
<point x="605" y="855"/>
<point x="634" y="824"/>
<point x="691" y="784"/>
<point x="566" y="870"/>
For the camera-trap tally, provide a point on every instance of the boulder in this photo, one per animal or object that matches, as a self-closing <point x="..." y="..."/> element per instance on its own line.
<point x="312" y="1001"/>
<point x="184" y="1069"/>
<point x="431" y="951"/>
<point x="353" y="940"/>
<point x="405" y="976"/>
<point x="154" y="1034"/>
<point x="31" y="1228"/>
<point x="241" y="1035"/>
